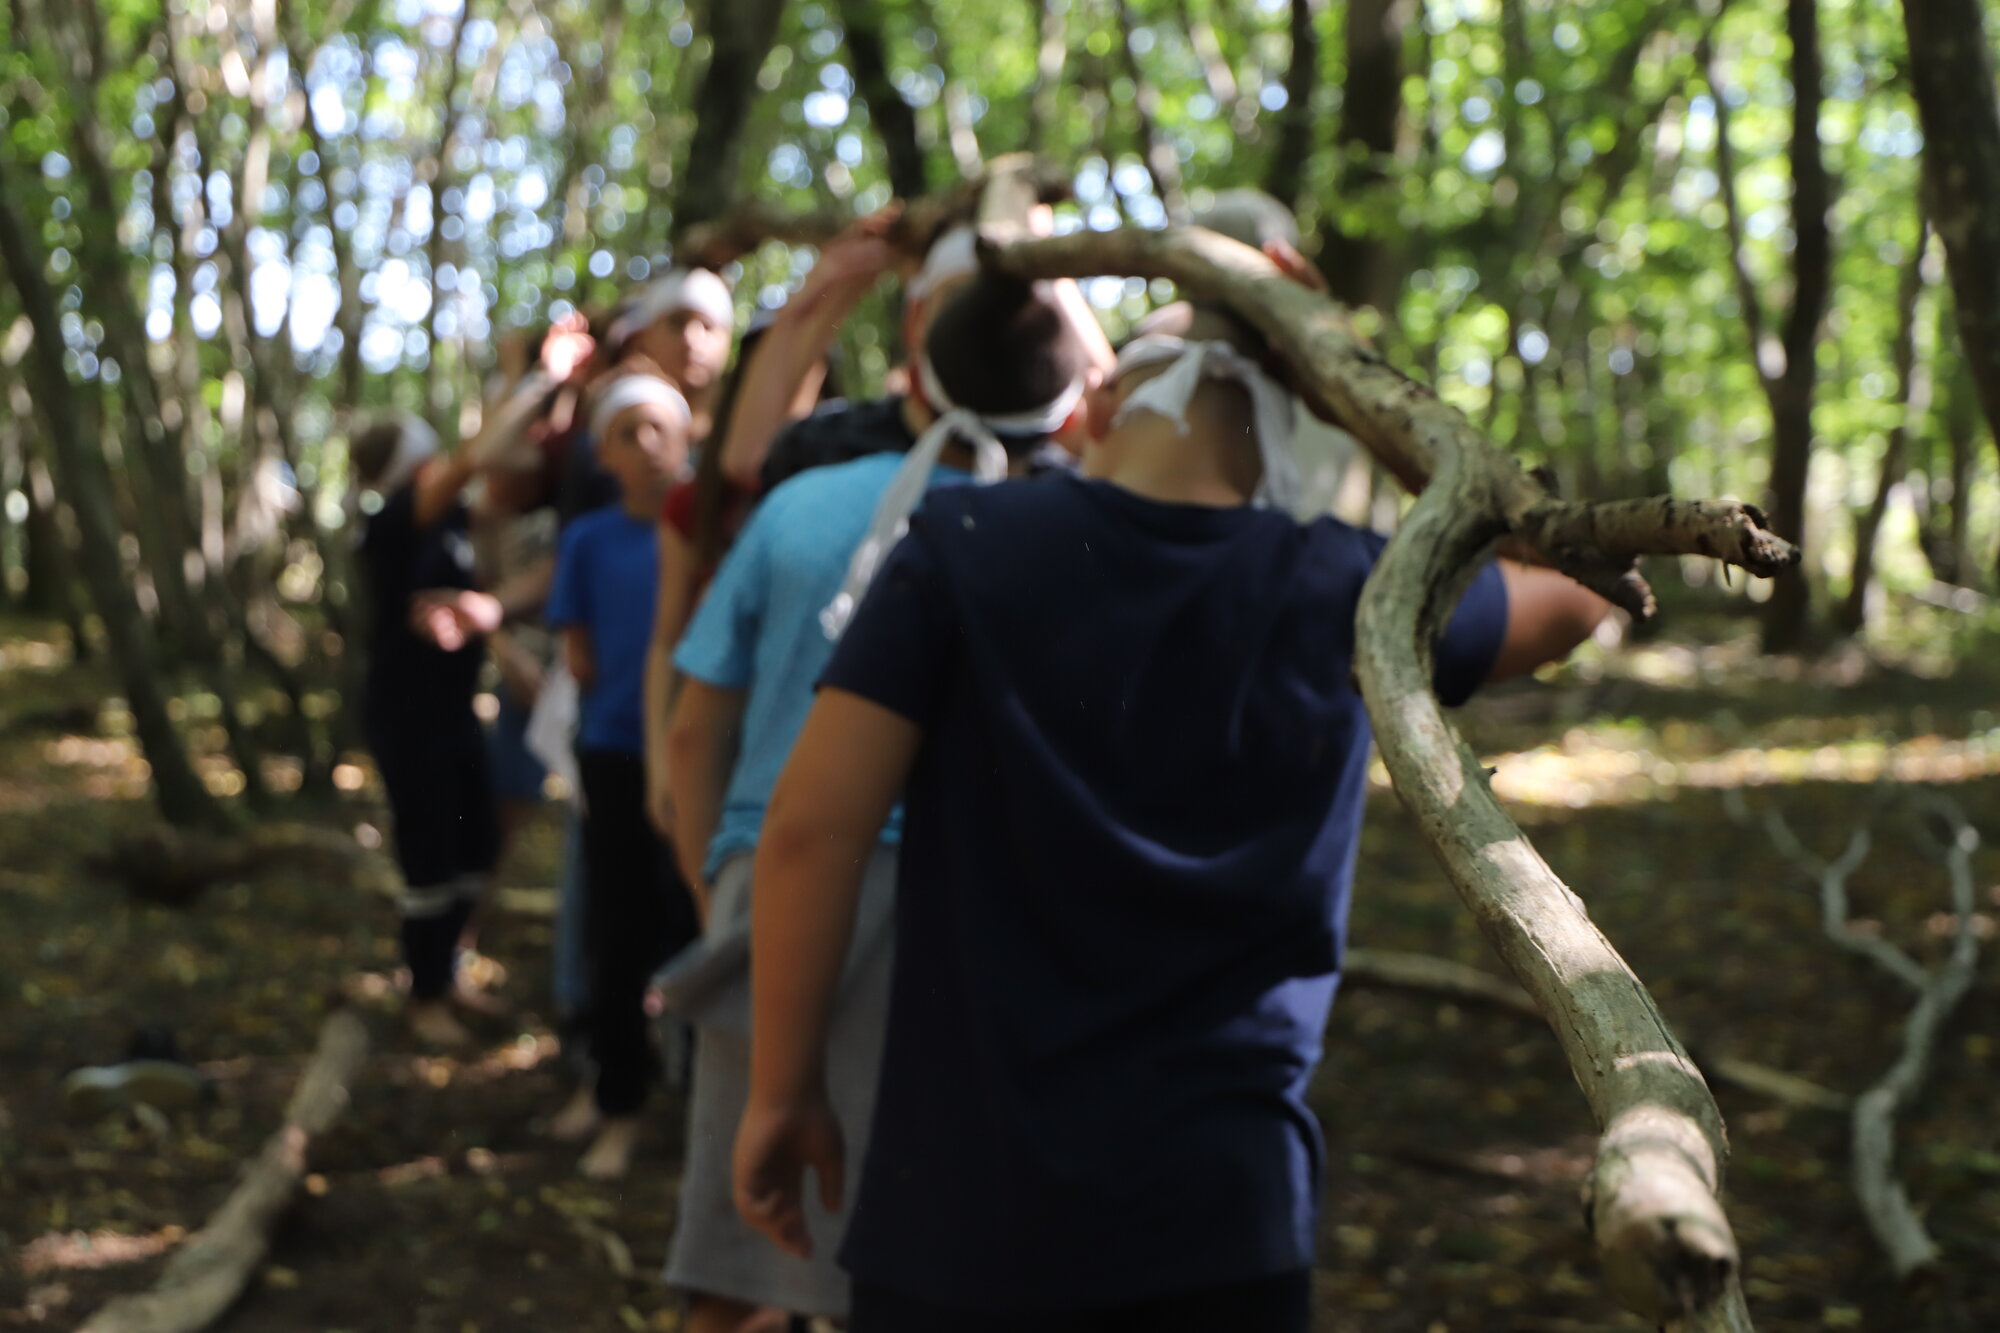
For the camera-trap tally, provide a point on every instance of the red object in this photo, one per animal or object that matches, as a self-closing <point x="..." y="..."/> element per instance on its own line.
<point x="677" y="511"/>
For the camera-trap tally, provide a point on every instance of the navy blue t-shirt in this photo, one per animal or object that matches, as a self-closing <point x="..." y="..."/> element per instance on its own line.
<point x="408" y="675"/>
<point x="1127" y="847"/>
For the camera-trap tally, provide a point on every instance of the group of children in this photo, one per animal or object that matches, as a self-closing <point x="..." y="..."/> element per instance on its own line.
<point x="1001" y="736"/>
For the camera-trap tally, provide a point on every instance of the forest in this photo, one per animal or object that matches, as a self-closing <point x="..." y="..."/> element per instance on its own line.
<point x="1744" y="252"/>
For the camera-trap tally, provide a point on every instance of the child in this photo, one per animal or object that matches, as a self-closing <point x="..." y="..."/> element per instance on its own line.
<point x="636" y="910"/>
<point x="699" y="520"/>
<point x="1119" y="708"/>
<point x="1002" y="353"/>
<point x="417" y="711"/>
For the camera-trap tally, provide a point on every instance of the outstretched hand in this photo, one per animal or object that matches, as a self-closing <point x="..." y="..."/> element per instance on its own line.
<point x="1295" y="265"/>
<point x="451" y="618"/>
<point x="862" y="253"/>
<point x="774" y="1146"/>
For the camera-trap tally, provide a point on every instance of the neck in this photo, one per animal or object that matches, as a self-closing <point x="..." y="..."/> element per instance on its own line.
<point x="1148" y="457"/>
<point x="917" y="414"/>
<point x="962" y="457"/>
<point x="636" y="504"/>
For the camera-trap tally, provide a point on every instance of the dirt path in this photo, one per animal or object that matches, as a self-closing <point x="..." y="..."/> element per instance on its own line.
<point x="1456" y="1139"/>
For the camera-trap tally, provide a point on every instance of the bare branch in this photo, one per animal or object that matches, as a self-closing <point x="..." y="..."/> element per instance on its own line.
<point x="1767" y="353"/>
<point x="753" y="222"/>
<point x="1884" y="1202"/>
<point x="204" y="1279"/>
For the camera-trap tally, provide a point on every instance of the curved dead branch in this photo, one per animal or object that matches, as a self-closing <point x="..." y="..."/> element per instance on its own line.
<point x="1405" y="425"/>
<point x="1654" y="1206"/>
<point x="752" y="223"/>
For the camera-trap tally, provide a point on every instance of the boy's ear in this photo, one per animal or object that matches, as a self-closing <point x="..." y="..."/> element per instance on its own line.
<point x="1100" y="404"/>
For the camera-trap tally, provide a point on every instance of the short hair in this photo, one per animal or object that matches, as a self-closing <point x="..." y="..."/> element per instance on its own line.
<point x="371" y="450"/>
<point x="1250" y="216"/>
<point x="1000" y="345"/>
<point x="1201" y="322"/>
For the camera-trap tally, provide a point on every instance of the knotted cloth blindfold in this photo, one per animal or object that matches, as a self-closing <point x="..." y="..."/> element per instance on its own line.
<point x="906" y="489"/>
<point x="1272" y="408"/>
<point x="416" y="444"/>
<point x="633" y="391"/>
<point x="694" y="289"/>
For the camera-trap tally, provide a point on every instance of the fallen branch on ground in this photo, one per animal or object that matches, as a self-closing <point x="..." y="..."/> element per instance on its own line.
<point x="210" y="1272"/>
<point x="167" y="865"/>
<point x="1441" y="977"/>
<point x="1884" y="1201"/>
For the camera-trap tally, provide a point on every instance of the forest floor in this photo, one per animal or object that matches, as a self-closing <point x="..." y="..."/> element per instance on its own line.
<point x="1456" y="1138"/>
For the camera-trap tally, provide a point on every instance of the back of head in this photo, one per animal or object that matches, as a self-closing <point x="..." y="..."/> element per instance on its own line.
<point x="1249" y="216"/>
<point x="371" y="451"/>
<point x="1000" y="348"/>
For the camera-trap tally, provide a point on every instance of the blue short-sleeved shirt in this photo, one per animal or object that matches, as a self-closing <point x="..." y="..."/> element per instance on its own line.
<point x="607" y="582"/>
<point x="1123" y="896"/>
<point x="758" y="627"/>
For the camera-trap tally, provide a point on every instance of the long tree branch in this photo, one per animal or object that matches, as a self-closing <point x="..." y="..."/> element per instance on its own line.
<point x="1668" y="1249"/>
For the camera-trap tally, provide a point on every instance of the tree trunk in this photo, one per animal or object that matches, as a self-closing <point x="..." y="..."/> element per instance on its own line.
<point x="1667" y="1247"/>
<point x="87" y="481"/>
<point x="153" y="441"/>
<point x="742" y="32"/>
<point x="1163" y="164"/>
<point x="1359" y="264"/>
<point x="1786" y="616"/>
<point x="1285" y="177"/>
<point x="1784" y="364"/>
<point x="1913" y="395"/>
<point x="1050" y="56"/>
<point x="50" y="560"/>
<point x="1951" y="73"/>
<point x="894" y="121"/>
<point x="435" y="172"/>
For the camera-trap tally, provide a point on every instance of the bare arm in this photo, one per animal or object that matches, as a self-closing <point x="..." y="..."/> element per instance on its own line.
<point x="796" y="342"/>
<point x="701" y="751"/>
<point x="670" y="616"/>
<point x="1082" y="320"/>
<point x="520" y="672"/>
<point x="1548" y="614"/>
<point x="439" y="485"/>
<point x="845" y="774"/>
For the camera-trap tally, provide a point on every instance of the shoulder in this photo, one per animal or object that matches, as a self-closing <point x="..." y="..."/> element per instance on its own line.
<point x="586" y="530"/>
<point x="677" y="510"/>
<point x="818" y="486"/>
<point x="834" y="433"/>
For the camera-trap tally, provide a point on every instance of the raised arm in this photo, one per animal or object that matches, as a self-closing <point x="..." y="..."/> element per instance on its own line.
<point x="846" y="773"/>
<point x="1548" y="614"/>
<point x="798" y="340"/>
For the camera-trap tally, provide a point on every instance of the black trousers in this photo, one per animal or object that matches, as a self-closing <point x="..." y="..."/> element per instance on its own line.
<point x="446" y="827"/>
<point x="637" y="913"/>
<point x="1281" y="1304"/>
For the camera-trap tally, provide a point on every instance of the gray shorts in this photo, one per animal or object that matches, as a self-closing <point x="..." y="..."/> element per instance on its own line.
<point x="714" y="1252"/>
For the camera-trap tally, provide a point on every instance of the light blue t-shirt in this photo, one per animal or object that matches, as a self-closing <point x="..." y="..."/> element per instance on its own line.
<point x="758" y="628"/>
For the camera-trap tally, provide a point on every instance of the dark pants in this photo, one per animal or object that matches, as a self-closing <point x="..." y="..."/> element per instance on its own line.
<point x="1281" y="1304"/>
<point x="637" y="911"/>
<point x="446" y="829"/>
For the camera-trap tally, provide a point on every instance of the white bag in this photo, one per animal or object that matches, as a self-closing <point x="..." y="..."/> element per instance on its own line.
<point x="551" y="734"/>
